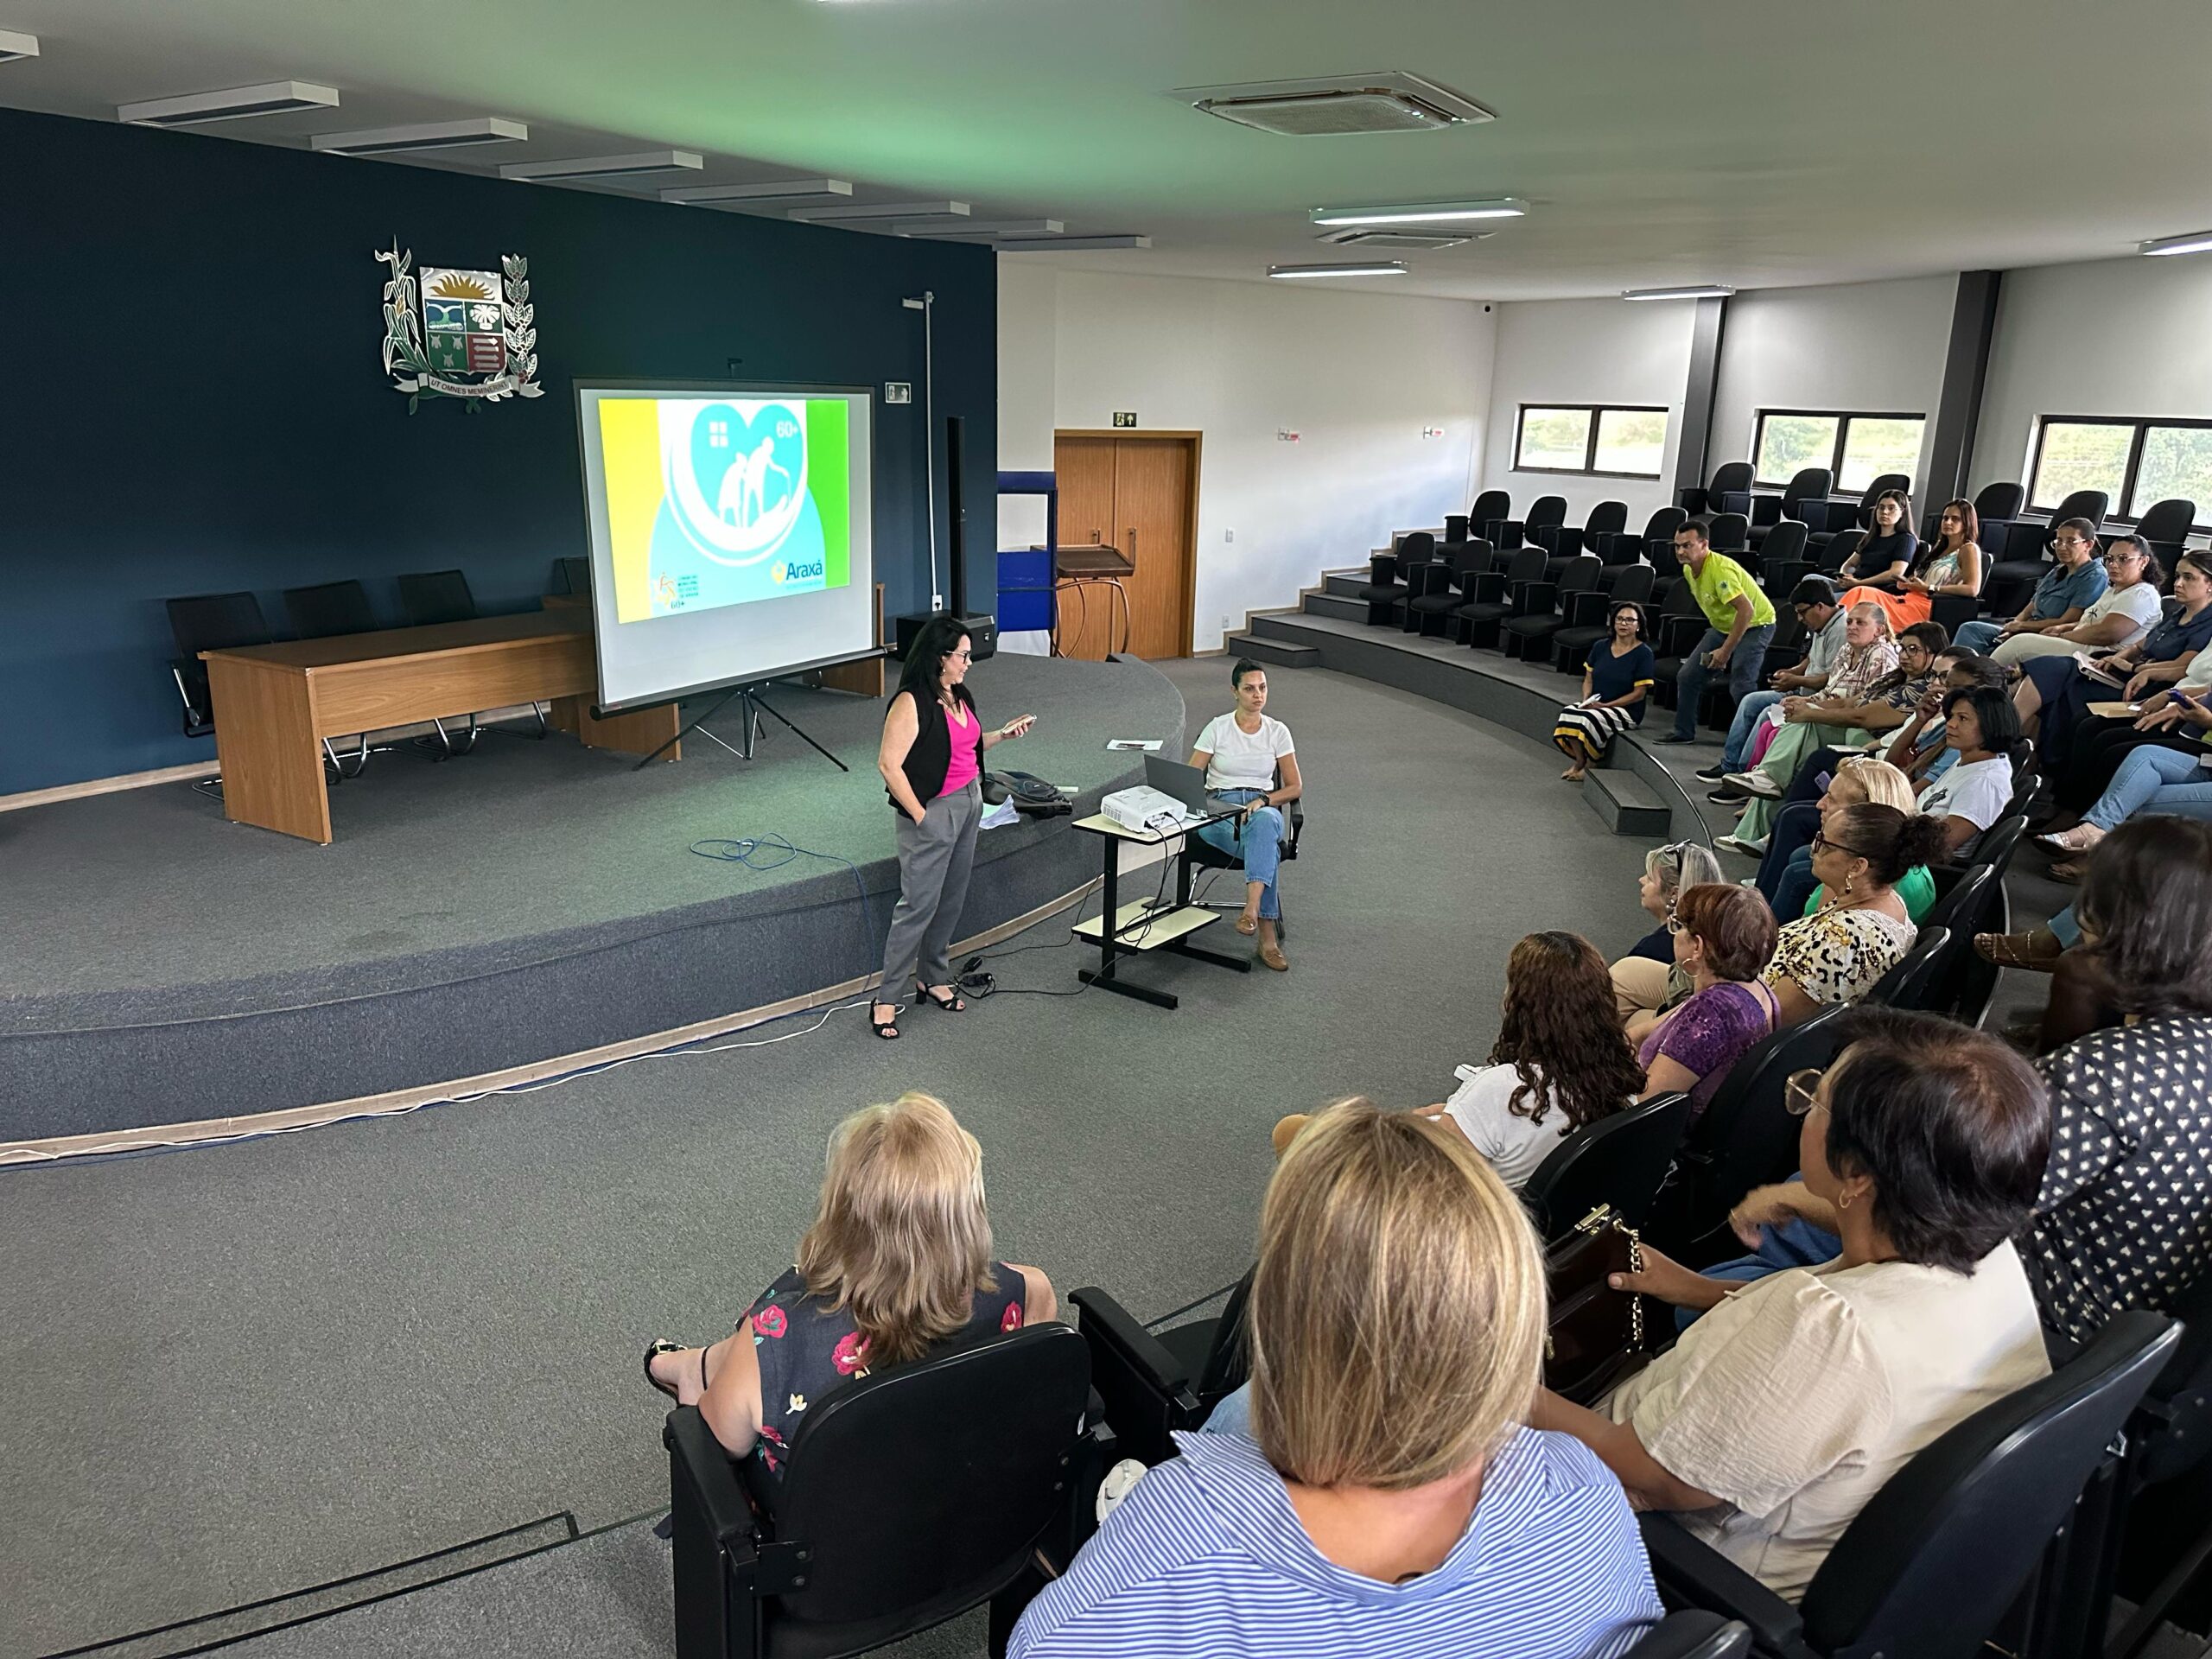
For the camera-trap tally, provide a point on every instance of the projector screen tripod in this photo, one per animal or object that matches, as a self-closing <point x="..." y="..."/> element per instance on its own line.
<point x="752" y="705"/>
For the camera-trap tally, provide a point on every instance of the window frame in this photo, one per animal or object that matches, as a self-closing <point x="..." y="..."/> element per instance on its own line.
<point x="1843" y="418"/>
<point x="1597" y="413"/>
<point x="2129" y="474"/>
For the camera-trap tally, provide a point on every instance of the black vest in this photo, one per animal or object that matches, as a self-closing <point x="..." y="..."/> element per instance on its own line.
<point x="931" y="757"/>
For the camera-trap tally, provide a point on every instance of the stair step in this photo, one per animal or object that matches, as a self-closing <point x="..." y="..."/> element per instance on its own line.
<point x="1624" y="801"/>
<point x="1351" y="610"/>
<point x="1282" y="653"/>
<point x="1344" y="586"/>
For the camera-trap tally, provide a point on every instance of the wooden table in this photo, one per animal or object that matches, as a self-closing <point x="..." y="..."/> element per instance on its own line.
<point x="276" y="704"/>
<point x="1141" y="925"/>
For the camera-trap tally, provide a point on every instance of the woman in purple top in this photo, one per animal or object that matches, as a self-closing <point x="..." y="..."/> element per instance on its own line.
<point x="1723" y="937"/>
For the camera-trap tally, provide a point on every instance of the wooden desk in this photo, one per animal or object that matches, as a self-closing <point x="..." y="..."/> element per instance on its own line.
<point x="1138" y="926"/>
<point x="275" y="704"/>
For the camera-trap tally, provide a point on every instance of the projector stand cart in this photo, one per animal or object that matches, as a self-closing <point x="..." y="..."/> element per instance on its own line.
<point x="752" y="705"/>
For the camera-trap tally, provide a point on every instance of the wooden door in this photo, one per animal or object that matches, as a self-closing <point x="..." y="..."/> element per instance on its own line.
<point x="1136" y="495"/>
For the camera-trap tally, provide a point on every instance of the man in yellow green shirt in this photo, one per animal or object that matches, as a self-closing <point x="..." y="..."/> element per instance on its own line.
<point x="1739" y="626"/>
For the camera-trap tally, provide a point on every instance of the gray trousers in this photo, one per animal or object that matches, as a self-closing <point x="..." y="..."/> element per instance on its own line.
<point x="934" y="859"/>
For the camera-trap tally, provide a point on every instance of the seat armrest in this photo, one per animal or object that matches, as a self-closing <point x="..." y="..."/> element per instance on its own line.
<point x="1566" y="540"/>
<point x="1485" y="586"/>
<point x="1508" y="532"/>
<point x="1735" y="501"/>
<point x="710" y="1477"/>
<point x="1535" y="598"/>
<point x="1103" y="1316"/>
<point x="1423" y="579"/>
<point x="1587" y="609"/>
<point x="1766" y="511"/>
<point x="1690" y="1574"/>
<point x="1383" y="568"/>
<point x="1692" y="501"/>
<point x="1826" y="515"/>
<point x="1952" y="611"/>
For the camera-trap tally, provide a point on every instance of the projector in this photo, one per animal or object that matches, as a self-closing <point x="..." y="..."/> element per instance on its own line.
<point x="1144" y="808"/>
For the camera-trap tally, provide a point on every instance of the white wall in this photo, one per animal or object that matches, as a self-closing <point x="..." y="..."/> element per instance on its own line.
<point x="2117" y="337"/>
<point x="1357" y="375"/>
<point x="1586" y="352"/>
<point x="1873" y="346"/>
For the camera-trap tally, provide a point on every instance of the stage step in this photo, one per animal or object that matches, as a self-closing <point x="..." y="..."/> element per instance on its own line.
<point x="1623" y="800"/>
<point x="1281" y="652"/>
<point x="1344" y="586"/>
<point x="1352" y="610"/>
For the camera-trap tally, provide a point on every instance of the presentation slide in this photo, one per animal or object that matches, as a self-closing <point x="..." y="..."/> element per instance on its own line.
<point x="729" y="532"/>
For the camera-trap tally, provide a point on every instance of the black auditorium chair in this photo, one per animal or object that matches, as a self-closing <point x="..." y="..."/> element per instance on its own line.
<point x="1789" y="641"/>
<point x="1546" y="510"/>
<point x="1810" y="484"/>
<point x="324" y="610"/>
<point x="1627" y="548"/>
<point x="1436" y="590"/>
<point x="1496" y="597"/>
<point x="1681" y="623"/>
<point x="1542" y="610"/>
<point x="1831" y="520"/>
<point x="208" y="622"/>
<point x="1729" y="532"/>
<point x="1565" y="542"/>
<point x="1936" y="1564"/>
<point x="1694" y="1634"/>
<point x="1782" y="560"/>
<point x="2012" y="580"/>
<point x="1585" y="617"/>
<point x="428" y="598"/>
<point x="1619" y="1161"/>
<point x="1996" y="508"/>
<point x="1155" y="1385"/>
<point x="1731" y="478"/>
<point x="2165" y="1527"/>
<point x="571" y="576"/>
<point x="908" y="1498"/>
<point x="1910" y="986"/>
<point x="1746" y="1137"/>
<point x="1386" y="587"/>
<point x="2166" y="527"/>
<point x="1975" y="903"/>
<point x="1469" y="526"/>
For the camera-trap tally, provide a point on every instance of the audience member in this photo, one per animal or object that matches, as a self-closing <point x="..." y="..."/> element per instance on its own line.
<point x="1813" y="601"/>
<point x="2121" y="1222"/>
<point x="1786" y="874"/>
<point x="1616" y="682"/>
<point x="1863" y="930"/>
<point x="2074" y="582"/>
<point x="1981" y="726"/>
<point x="2056" y="691"/>
<point x="1249" y="761"/>
<point x="1950" y="564"/>
<point x="1560" y="1061"/>
<point x="1740" y="624"/>
<point x="2152" y="780"/>
<point x="1780" y="1414"/>
<point x="1723" y="936"/>
<point x="2127" y="609"/>
<point x="1375" y="1494"/>
<point x="1870" y="653"/>
<point x="2101" y="744"/>
<point x="897" y="1266"/>
<point x="1647" y="980"/>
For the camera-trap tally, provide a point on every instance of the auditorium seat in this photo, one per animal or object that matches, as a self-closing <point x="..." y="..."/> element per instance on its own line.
<point x="2011" y="579"/>
<point x="329" y="608"/>
<point x="1619" y="1161"/>
<point x="1541" y="610"/>
<point x="1546" y="510"/>
<point x="1386" y="590"/>
<point x="1621" y="551"/>
<point x="1157" y="1384"/>
<point x="1810" y="483"/>
<point x="1934" y="1567"/>
<point x="1996" y="509"/>
<point x="1730" y="478"/>
<point x="1480" y="619"/>
<point x="1565" y="542"/>
<point x="1782" y="560"/>
<point x="1909" y="987"/>
<point x="1468" y="526"/>
<point x="1832" y="521"/>
<point x="2165" y="526"/>
<point x="1680" y="625"/>
<point x="1586" y="622"/>
<point x="1438" y="588"/>
<point x="876" y="1531"/>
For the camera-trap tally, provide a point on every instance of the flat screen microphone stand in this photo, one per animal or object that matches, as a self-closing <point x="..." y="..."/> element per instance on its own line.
<point x="753" y="705"/>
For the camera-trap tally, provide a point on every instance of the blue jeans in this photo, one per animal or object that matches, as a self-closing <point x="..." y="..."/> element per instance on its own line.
<point x="1791" y="833"/>
<point x="1980" y="638"/>
<point x="1793" y="1244"/>
<point x="1744" y="668"/>
<point x="2154" y="780"/>
<point x="2065" y="694"/>
<point x="1259" y="838"/>
<point x="1796" y="886"/>
<point x="1740" y="729"/>
<point x="2065" y="929"/>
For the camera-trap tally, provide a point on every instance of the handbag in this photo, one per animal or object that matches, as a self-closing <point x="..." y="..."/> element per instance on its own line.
<point x="1596" y="1338"/>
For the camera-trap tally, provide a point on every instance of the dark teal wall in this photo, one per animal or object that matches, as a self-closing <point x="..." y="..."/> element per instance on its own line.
<point x="193" y="400"/>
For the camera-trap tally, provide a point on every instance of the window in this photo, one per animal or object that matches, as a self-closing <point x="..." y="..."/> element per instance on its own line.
<point x="1858" y="447"/>
<point x="1608" y="441"/>
<point x="2136" y="463"/>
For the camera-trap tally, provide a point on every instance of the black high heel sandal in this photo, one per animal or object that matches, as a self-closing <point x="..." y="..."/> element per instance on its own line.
<point x="885" y="1029"/>
<point x="958" y="1004"/>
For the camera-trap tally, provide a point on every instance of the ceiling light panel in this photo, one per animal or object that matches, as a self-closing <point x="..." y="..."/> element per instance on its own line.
<point x="427" y="136"/>
<point x="1692" y="291"/>
<point x="983" y="227"/>
<point x="1424" y="212"/>
<point x="1071" y="243"/>
<point x="14" y="44"/>
<point x="2194" y="241"/>
<point x="1356" y="236"/>
<point x="778" y="194"/>
<point x="270" y="98"/>
<point x="643" y="165"/>
<point x="1375" y="268"/>
<point x="884" y="210"/>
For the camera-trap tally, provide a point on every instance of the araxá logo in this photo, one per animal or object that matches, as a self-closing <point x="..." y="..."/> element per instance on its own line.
<point x="734" y="471"/>
<point x="793" y="571"/>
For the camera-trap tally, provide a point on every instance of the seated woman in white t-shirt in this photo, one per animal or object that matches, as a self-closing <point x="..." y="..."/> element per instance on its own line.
<point x="1983" y="726"/>
<point x="1243" y="751"/>
<point x="2128" y="610"/>
<point x="1560" y="1061"/>
<point x="1783" y="1410"/>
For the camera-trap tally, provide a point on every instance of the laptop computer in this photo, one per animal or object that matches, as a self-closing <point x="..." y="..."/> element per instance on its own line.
<point x="1187" y="784"/>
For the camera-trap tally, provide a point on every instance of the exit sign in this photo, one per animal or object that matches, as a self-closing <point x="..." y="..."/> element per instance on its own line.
<point x="1125" y="417"/>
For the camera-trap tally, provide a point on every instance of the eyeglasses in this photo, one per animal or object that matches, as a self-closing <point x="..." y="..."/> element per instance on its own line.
<point x="1801" y="1090"/>
<point x="962" y="656"/>
<point x="1821" y="841"/>
<point x="2072" y="541"/>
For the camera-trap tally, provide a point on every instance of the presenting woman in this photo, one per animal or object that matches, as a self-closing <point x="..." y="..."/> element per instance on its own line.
<point x="1950" y="564"/>
<point x="932" y="759"/>
<point x="1248" y="760"/>
<point x="1616" y="681"/>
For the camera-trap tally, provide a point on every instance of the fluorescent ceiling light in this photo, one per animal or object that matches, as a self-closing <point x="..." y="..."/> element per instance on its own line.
<point x="270" y="98"/>
<point x="14" y="44"/>
<point x="859" y="210"/>
<point x="1423" y="212"/>
<point x="603" y="166"/>
<point x="781" y="192"/>
<point x="1377" y="267"/>
<point x="2195" y="242"/>
<point x="1695" y="291"/>
<point x="1070" y="243"/>
<point x="430" y="135"/>
<point x="983" y="227"/>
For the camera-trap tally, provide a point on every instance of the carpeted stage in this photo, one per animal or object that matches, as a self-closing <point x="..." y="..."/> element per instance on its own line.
<point x="160" y="965"/>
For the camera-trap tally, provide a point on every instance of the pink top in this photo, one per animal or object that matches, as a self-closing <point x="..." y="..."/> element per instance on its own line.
<point x="966" y="752"/>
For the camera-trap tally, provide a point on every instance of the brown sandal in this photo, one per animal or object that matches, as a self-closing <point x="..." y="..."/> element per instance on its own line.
<point x="2036" y="950"/>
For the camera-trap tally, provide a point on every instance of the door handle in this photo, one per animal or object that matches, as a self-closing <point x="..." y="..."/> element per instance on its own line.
<point x="1132" y="545"/>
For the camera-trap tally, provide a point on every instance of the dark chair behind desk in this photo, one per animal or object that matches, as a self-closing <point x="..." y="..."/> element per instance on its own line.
<point x="1205" y="855"/>
<point x="908" y="1499"/>
<point x="326" y="611"/>
<point x="428" y="598"/>
<point x="209" y="622"/>
<point x="571" y="576"/>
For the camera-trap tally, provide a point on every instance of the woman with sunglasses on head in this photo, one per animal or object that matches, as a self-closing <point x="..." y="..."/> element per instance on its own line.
<point x="1616" y="680"/>
<point x="1787" y="1405"/>
<point x="1648" y="980"/>
<point x="1863" y="929"/>
<point x="932" y="759"/>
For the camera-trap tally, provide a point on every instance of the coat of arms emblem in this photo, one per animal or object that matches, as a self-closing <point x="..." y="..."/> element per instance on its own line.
<point x="460" y="333"/>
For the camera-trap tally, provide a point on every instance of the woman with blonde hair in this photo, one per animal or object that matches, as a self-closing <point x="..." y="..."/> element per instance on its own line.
<point x="1786" y="873"/>
<point x="1387" y="1501"/>
<point x="897" y="1266"/>
<point x="1647" y="982"/>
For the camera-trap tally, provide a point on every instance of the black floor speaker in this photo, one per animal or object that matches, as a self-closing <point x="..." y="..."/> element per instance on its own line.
<point x="982" y="634"/>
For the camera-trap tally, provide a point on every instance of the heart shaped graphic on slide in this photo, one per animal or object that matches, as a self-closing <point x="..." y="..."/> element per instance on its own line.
<point x="748" y="464"/>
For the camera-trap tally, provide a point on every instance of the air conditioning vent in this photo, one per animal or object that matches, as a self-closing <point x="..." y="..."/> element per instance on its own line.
<point x="1387" y="100"/>
<point x="1352" y="236"/>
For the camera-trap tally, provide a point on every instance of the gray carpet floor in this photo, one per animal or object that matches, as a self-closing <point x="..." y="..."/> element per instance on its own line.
<point x="235" y="1372"/>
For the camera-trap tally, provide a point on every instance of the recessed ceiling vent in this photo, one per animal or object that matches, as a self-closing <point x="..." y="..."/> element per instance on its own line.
<point x="1353" y="237"/>
<point x="1330" y="106"/>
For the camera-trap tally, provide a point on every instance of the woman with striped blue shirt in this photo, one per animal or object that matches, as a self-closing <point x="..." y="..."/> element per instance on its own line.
<point x="1388" y="1503"/>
